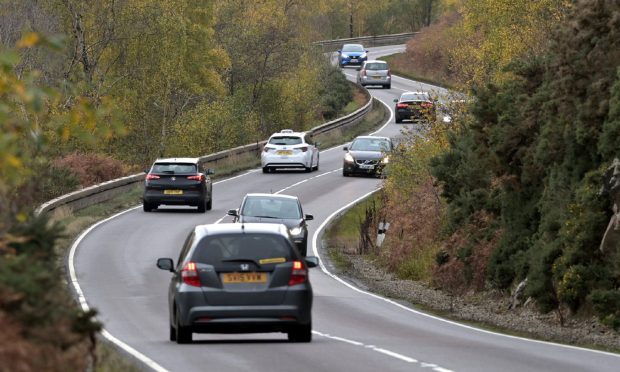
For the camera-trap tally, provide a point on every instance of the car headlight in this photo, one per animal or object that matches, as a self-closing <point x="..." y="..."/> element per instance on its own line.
<point x="296" y="230"/>
<point x="344" y="55"/>
<point x="363" y="55"/>
<point x="385" y="160"/>
<point x="348" y="158"/>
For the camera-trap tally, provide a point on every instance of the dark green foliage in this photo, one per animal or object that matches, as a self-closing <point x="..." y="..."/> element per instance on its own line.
<point x="30" y="276"/>
<point x="607" y="305"/>
<point x="533" y="157"/>
<point x="335" y="93"/>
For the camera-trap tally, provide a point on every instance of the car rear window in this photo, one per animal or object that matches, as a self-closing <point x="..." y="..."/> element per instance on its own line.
<point x="261" y="248"/>
<point x="415" y="97"/>
<point x="271" y="207"/>
<point x="376" y="66"/>
<point x="174" y="168"/>
<point x="285" y="140"/>
<point x="370" y="144"/>
<point x="352" y="48"/>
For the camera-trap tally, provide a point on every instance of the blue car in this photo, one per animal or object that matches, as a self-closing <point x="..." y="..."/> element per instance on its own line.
<point x="352" y="54"/>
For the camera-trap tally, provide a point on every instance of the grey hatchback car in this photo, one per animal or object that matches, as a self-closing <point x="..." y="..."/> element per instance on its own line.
<point x="374" y="73"/>
<point x="239" y="278"/>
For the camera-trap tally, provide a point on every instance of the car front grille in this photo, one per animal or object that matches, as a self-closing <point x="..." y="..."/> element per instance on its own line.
<point x="371" y="162"/>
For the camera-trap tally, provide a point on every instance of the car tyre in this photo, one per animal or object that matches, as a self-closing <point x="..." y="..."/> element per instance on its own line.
<point x="309" y="169"/>
<point x="266" y="170"/>
<point x="389" y="86"/>
<point x="303" y="247"/>
<point x="202" y="207"/>
<point x="301" y="333"/>
<point x="316" y="167"/>
<point x="398" y="119"/>
<point x="183" y="334"/>
<point x="345" y="173"/>
<point x="210" y="202"/>
<point x="173" y="333"/>
<point x="147" y="207"/>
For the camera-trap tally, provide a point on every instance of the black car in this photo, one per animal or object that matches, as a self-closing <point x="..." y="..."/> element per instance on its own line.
<point x="177" y="181"/>
<point x="239" y="278"/>
<point x="367" y="155"/>
<point x="414" y="106"/>
<point x="276" y="208"/>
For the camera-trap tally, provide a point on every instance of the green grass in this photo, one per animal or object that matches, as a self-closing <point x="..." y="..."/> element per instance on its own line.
<point x="418" y="266"/>
<point x="373" y="120"/>
<point x="410" y="74"/>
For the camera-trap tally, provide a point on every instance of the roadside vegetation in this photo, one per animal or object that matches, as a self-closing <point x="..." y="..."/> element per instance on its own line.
<point x="512" y="191"/>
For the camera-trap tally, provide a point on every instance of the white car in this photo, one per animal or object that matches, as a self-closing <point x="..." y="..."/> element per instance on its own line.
<point x="289" y="149"/>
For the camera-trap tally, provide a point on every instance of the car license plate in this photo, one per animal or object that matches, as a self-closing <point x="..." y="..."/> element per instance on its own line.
<point x="173" y="192"/>
<point x="284" y="152"/>
<point x="353" y="59"/>
<point x="366" y="166"/>
<point x="244" y="277"/>
<point x="376" y="77"/>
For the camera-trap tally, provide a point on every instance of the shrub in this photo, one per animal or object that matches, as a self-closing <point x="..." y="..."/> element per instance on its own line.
<point x="91" y="169"/>
<point x="607" y="305"/>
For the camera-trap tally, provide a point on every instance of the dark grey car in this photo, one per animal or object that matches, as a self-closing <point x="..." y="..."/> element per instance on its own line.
<point x="367" y="155"/>
<point x="276" y="208"/>
<point x="239" y="278"/>
<point x="177" y="181"/>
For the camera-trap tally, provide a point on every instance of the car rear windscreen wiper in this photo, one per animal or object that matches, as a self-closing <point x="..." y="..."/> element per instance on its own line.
<point x="242" y="260"/>
<point x="264" y="216"/>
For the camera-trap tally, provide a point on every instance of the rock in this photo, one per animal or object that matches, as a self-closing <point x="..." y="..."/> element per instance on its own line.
<point x="517" y="296"/>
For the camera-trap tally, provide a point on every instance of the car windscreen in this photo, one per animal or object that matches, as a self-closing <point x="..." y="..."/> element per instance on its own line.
<point x="285" y="140"/>
<point x="352" y="48"/>
<point x="270" y="207"/>
<point x="370" y="144"/>
<point x="257" y="247"/>
<point x="174" y="168"/>
<point x="415" y="97"/>
<point x="376" y="66"/>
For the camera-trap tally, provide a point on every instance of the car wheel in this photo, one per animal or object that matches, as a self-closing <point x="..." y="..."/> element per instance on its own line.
<point x="309" y="169"/>
<point x="173" y="333"/>
<point x="303" y="247"/>
<point x="389" y="86"/>
<point x="183" y="334"/>
<point x="147" y="207"/>
<point x="301" y="333"/>
<point x="266" y="170"/>
<point x="345" y="173"/>
<point x="316" y="168"/>
<point x="398" y="119"/>
<point x="202" y="207"/>
<point x="210" y="202"/>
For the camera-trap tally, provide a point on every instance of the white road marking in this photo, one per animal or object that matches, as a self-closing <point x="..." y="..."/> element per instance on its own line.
<point x="383" y="351"/>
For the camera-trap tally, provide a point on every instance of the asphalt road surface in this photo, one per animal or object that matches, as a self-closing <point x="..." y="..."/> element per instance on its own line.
<point x="113" y="270"/>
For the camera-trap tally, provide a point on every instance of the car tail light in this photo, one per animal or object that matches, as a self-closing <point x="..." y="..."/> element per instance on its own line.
<point x="190" y="276"/>
<point x="152" y="177"/>
<point x="299" y="275"/>
<point x="402" y="105"/>
<point x="304" y="149"/>
<point x="427" y="104"/>
<point x="198" y="177"/>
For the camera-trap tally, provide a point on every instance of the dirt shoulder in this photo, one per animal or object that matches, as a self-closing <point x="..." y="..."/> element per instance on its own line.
<point x="488" y="310"/>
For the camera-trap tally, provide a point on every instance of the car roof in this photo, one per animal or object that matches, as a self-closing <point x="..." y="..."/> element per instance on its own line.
<point x="240" y="228"/>
<point x="375" y="61"/>
<point x="372" y="137"/>
<point x="344" y="45"/>
<point x="288" y="134"/>
<point x="275" y="196"/>
<point x="177" y="160"/>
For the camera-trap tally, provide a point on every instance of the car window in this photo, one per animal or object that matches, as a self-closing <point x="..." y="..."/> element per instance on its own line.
<point x="376" y="66"/>
<point x="285" y="140"/>
<point x="271" y="207"/>
<point x="415" y="97"/>
<point x="370" y="144"/>
<point x="262" y="248"/>
<point x="352" y="48"/>
<point x="174" y="168"/>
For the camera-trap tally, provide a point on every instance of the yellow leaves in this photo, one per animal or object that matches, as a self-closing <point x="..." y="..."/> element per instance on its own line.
<point x="28" y="40"/>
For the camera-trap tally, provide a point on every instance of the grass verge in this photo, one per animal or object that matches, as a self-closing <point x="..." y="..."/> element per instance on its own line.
<point x="373" y="120"/>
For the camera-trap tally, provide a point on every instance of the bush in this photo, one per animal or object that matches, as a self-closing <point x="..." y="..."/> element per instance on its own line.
<point x="91" y="169"/>
<point x="335" y="93"/>
<point x="607" y="305"/>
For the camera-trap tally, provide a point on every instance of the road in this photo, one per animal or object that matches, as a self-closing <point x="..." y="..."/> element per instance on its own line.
<point x="113" y="269"/>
